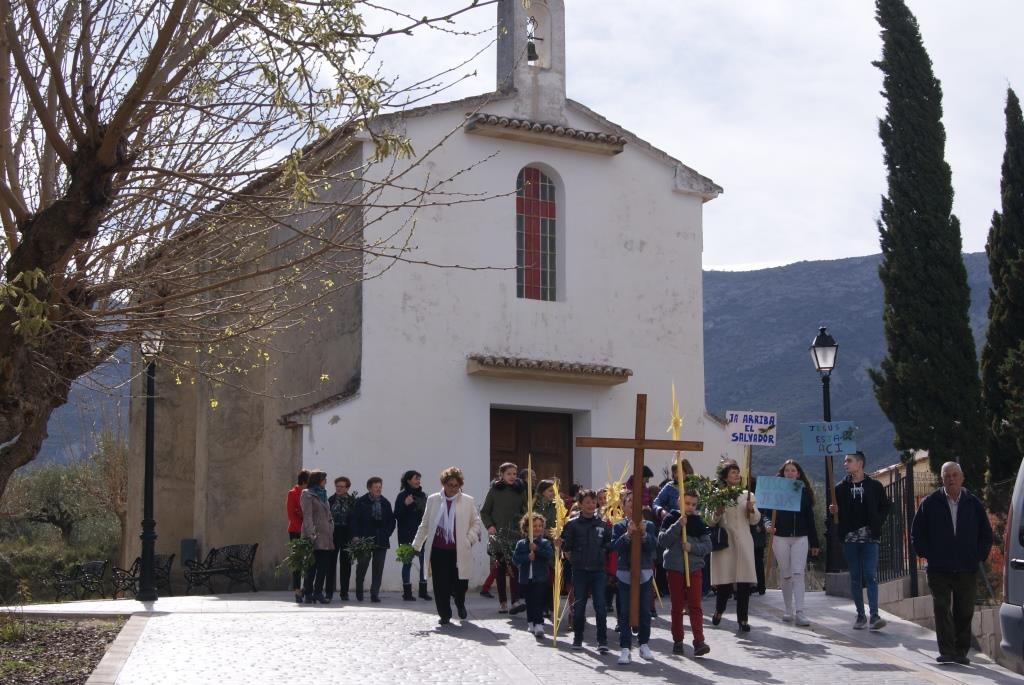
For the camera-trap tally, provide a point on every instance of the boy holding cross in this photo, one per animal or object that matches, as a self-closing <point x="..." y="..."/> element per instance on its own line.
<point x="622" y="538"/>
<point x="674" y="555"/>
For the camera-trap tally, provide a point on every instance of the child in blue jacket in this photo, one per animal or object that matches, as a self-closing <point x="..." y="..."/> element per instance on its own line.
<point x="622" y="539"/>
<point x="532" y="560"/>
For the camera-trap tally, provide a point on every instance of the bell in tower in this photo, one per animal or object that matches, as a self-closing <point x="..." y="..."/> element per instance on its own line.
<point x="531" y="41"/>
<point x="531" y="57"/>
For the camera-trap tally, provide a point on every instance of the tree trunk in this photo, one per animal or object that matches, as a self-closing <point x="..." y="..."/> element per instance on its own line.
<point x="36" y="370"/>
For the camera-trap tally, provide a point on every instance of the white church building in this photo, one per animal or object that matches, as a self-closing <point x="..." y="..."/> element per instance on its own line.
<point x="594" y="237"/>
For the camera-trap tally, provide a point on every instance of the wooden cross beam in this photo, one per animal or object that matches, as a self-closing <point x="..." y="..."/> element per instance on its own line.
<point x="638" y="444"/>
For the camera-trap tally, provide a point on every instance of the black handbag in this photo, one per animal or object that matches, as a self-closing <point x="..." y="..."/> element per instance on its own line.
<point x="719" y="538"/>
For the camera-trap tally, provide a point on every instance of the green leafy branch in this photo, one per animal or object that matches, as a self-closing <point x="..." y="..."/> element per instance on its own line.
<point x="712" y="493"/>
<point x="20" y="295"/>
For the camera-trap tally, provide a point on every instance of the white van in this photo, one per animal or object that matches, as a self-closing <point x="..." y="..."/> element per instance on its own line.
<point x="1011" y="613"/>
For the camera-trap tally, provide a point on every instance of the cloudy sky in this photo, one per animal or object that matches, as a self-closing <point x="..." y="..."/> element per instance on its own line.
<point x="775" y="100"/>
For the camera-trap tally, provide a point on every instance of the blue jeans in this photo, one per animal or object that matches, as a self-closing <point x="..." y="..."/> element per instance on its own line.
<point x="594" y="584"/>
<point x="406" y="569"/>
<point x="643" y="635"/>
<point x="862" y="560"/>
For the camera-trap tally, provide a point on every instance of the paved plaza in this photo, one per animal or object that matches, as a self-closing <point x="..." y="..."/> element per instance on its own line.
<point x="264" y="637"/>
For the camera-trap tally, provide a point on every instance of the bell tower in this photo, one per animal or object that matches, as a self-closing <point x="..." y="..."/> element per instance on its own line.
<point x="531" y="57"/>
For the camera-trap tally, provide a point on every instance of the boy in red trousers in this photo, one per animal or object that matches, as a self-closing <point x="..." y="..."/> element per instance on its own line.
<point x="698" y="546"/>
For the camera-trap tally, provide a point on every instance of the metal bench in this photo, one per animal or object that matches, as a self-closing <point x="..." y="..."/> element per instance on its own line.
<point x="81" y="580"/>
<point x="127" y="580"/>
<point x="234" y="562"/>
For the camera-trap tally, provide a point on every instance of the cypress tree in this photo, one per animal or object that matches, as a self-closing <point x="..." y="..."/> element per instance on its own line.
<point x="928" y="384"/>
<point x="1012" y="386"/>
<point x="1005" y="250"/>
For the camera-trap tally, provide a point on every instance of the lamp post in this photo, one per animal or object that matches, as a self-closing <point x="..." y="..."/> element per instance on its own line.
<point x="823" y="352"/>
<point x="150" y="347"/>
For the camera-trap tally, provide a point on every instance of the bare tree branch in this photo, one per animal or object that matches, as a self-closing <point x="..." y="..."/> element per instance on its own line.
<point x="216" y="173"/>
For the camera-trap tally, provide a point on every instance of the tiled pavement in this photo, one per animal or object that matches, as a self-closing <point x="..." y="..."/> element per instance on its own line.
<point x="265" y="638"/>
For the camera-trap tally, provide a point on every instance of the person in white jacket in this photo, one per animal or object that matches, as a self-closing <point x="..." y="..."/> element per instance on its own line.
<point x="447" y="532"/>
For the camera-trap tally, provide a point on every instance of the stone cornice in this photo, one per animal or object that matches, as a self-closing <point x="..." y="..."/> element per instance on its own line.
<point x="535" y="369"/>
<point x="540" y="133"/>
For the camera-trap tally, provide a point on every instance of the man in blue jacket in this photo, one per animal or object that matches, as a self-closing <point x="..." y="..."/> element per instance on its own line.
<point x="951" y="530"/>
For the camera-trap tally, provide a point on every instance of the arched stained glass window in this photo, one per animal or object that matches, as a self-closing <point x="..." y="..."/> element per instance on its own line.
<point x="535" y="235"/>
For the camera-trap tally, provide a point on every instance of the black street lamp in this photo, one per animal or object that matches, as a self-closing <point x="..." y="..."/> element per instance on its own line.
<point x="823" y="352"/>
<point x="150" y="347"/>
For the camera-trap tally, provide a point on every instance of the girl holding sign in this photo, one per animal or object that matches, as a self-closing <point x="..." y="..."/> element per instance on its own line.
<point x="795" y="534"/>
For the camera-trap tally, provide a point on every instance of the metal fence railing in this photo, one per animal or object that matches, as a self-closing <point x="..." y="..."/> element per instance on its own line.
<point x="893" y="559"/>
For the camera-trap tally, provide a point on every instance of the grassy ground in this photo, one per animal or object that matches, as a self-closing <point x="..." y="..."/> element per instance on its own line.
<point x="34" y="652"/>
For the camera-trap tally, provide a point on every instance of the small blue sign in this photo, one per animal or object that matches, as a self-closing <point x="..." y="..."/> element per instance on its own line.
<point x="781" y="494"/>
<point x="828" y="438"/>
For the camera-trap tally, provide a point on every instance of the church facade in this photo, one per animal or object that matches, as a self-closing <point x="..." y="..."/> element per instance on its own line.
<point x="578" y="285"/>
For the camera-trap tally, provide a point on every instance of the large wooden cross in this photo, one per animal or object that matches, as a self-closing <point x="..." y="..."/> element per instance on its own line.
<point x="638" y="444"/>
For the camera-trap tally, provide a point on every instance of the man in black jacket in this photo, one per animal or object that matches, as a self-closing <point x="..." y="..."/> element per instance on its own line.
<point x="863" y="508"/>
<point x="586" y="540"/>
<point x="951" y="530"/>
<point x="373" y="518"/>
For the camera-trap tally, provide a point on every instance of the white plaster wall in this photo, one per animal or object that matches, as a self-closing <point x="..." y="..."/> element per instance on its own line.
<point x="629" y="295"/>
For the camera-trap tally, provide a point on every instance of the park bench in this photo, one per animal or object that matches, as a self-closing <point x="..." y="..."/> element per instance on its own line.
<point x="127" y="580"/>
<point x="81" y="580"/>
<point x="234" y="562"/>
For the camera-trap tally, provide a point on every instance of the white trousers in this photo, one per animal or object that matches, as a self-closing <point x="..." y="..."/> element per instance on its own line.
<point x="791" y="555"/>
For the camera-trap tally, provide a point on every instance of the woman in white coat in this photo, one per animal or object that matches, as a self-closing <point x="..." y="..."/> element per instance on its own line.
<point x="733" y="568"/>
<point x="449" y="528"/>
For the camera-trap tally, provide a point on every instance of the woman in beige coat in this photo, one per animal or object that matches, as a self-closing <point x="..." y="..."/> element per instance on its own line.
<point x="733" y="567"/>
<point x="318" y="526"/>
<point x="449" y="528"/>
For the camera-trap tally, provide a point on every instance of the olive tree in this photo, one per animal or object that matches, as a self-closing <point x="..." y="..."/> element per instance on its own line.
<point x="161" y="164"/>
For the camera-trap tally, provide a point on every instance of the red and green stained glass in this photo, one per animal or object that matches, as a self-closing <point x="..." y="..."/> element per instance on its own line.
<point x="535" y="235"/>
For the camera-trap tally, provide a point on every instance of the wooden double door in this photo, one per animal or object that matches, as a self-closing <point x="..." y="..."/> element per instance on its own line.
<point x="547" y="436"/>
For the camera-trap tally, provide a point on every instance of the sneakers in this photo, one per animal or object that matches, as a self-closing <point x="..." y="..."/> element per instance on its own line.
<point x="700" y="648"/>
<point x="487" y="594"/>
<point x="602" y="648"/>
<point x="787" y="618"/>
<point x="646" y="653"/>
<point x="577" y="645"/>
<point x="877" y="623"/>
<point x="861" y="623"/>
<point x="677" y="647"/>
<point x="625" y="658"/>
<point x="945" y="659"/>
<point x="503" y="608"/>
<point x="962" y="660"/>
<point x="538" y="629"/>
<point x="517" y="608"/>
<point x="801" y="620"/>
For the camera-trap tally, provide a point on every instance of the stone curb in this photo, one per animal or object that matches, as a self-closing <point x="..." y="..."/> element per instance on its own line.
<point x="120" y="649"/>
